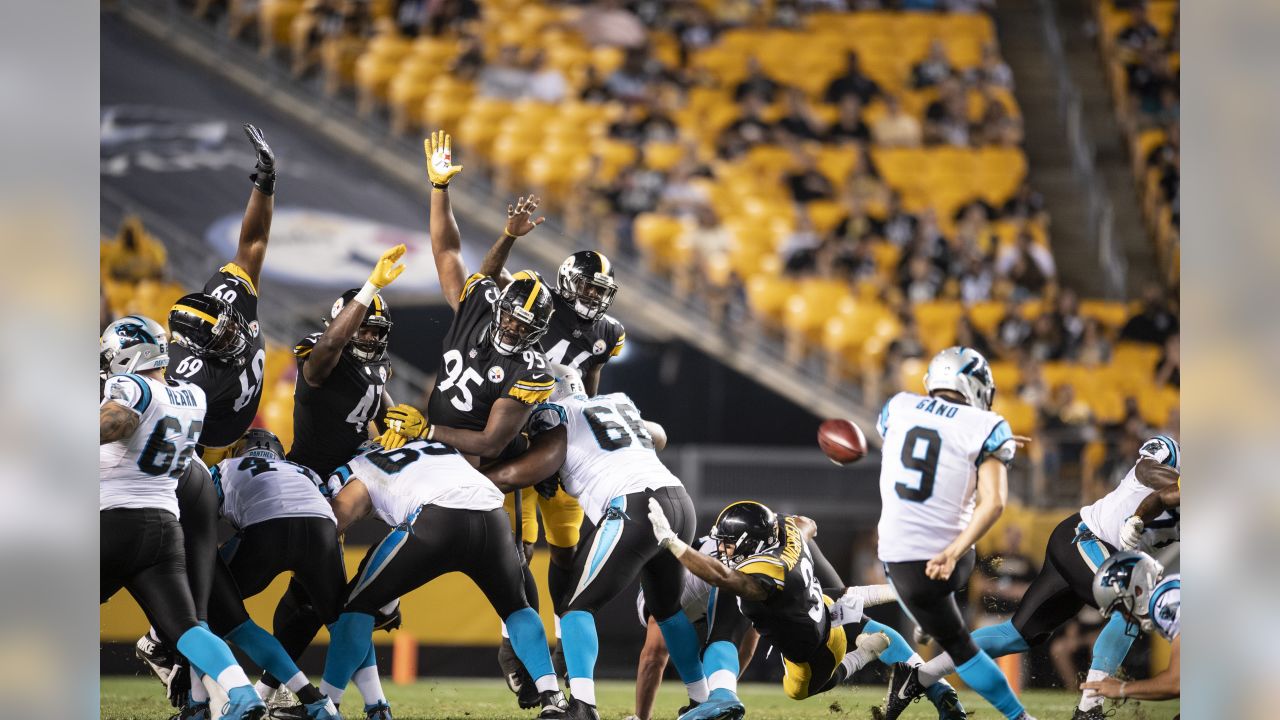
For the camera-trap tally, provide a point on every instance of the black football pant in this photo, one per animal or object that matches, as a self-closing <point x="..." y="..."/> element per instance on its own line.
<point x="932" y="603"/>
<point x="141" y="551"/>
<point x="1065" y="582"/>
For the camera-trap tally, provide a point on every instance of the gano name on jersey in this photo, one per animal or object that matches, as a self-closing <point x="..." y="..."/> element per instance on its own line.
<point x="929" y="471"/>
<point x="253" y="490"/>
<point x="1165" y="609"/>
<point x="610" y="451"/>
<point x="473" y="374"/>
<point x="330" y="421"/>
<point x="421" y="473"/>
<point x="234" y="391"/>
<point x="1107" y="516"/>
<point x="794" y="615"/>
<point x="142" y="471"/>
<point x="581" y="344"/>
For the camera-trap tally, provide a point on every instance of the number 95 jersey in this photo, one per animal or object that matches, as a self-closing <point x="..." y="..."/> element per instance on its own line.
<point x="473" y="374"/>
<point x="929" y="471"/>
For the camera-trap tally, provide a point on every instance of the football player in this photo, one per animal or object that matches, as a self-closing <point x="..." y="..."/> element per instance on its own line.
<point x="605" y="455"/>
<point x="1134" y="585"/>
<point x="943" y="484"/>
<point x="148" y="428"/>
<point x="445" y="517"/>
<point x="1077" y="548"/>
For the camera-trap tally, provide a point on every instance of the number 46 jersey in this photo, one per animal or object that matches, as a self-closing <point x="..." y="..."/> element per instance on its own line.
<point x="929" y="471"/>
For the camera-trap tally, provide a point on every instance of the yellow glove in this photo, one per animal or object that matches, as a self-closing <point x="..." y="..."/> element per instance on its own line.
<point x="404" y="422"/>
<point x="387" y="270"/>
<point x="390" y="440"/>
<point x="439" y="152"/>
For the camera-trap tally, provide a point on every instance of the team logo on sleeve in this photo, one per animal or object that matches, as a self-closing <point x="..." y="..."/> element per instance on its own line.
<point x="496" y="374"/>
<point x="253" y="328"/>
<point x="599" y="347"/>
<point x="382" y="373"/>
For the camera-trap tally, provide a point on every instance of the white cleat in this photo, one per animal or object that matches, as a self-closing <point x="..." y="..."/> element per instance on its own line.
<point x="874" y="643"/>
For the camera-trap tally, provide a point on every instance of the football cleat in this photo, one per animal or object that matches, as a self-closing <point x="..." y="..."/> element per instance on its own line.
<point x="322" y="709"/>
<point x="193" y="711"/>
<point x="518" y="679"/>
<point x="579" y="710"/>
<point x="904" y="689"/>
<point x="157" y="656"/>
<point x="281" y="697"/>
<point x="553" y="704"/>
<point x="381" y="711"/>
<point x="721" y="704"/>
<point x="692" y="704"/>
<point x="948" y="704"/>
<point x="1093" y="713"/>
<point x="245" y="709"/>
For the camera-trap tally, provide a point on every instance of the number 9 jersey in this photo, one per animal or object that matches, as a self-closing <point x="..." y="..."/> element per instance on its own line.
<point x="929" y="471"/>
<point x="473" y="374"/>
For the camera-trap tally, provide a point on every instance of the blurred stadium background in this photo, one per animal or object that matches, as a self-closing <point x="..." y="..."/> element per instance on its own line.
<point x="803" y="199"/>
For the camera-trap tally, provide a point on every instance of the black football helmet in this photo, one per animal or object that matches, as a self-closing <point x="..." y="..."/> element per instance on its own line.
<point x="259" y="443"/>
<point x="585" y="281"/>
<point x="209" y="327"/>
<point x="748" y="526"/>
<point x="377" y="317"/>
<point x="522" y="313"/>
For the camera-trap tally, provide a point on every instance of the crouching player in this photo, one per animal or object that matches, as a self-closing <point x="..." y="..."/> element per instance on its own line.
<point x="1131" y="585"/>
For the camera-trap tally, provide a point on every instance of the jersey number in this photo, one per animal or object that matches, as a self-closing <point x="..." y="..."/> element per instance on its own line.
<point x="393" y="461"/>
<point x="254" y="466"/>
<point x="456" y="376"/>
<point x="189" y="366"/>
<point x="557" y="352"/>
<point x="160" y="455"/>
<point x="613" y="435"/>
<point x="927" y="466"/>
<point x="365" y="409"/>
<point x="815" y="590"/>
<point x="224" y="292"/>
<point x="251" y="381"/>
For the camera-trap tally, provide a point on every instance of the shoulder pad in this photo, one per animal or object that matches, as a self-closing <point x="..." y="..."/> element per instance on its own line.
<point x="533" y="388"/>
<point x="304" y="346"/>
<point x="131" y="391"/>
<point x="764" y="565"/>
<point x="233" y="270"/>
<point x="471" y="284"/>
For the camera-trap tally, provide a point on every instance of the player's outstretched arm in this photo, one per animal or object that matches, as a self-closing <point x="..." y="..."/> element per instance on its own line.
<point x="542" y="460"/>
<point x="1149" y="509"/>
<point x="704" y="566"/>
<point x="256" y="226"/>
<point x="993" y="492"/>
<point x="1164" y="686"/>
<point x="649" y="669"/>
<point x="351" y="503"/>
<point x="116" y="422"/>
<point x="520" y="222"/>
<point x="505" y="420"/>
<point x="591" y="381"/>
<point x="1155" y="475"/>
<point x="446" y="239"/>
<point x="328" y="349"/>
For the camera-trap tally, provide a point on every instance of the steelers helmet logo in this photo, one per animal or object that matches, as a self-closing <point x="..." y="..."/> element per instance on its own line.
<point x="598" y="347"/>
<point x="337" y="308"/>
<point x="496" y="374"/>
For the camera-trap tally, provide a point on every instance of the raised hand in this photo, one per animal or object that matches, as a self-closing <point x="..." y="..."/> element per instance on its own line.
<point x="387" y="268"/>
<point x="520" y="220"/>
<point x="439" y="152"/>
<point x="264" y="176"/>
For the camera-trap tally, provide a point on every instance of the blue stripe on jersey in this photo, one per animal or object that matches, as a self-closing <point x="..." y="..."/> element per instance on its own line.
<point x="142" y="405"/>
<point x="1092" y="548"/>
<point x="1000" y="434"/>
<point x="215" y="472"/>
<point x="609" y="535"/>
<point x="882" y="422"/>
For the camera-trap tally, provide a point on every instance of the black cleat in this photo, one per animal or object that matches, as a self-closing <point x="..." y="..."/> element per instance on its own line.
<point x="553" y="704"/>
<point x="557" y="662"/>
<point x="904" y="689"/>
<point x="692" y="704"/>
<point x="949" y="707"/>
<point x="158" y="657"/>
<point x="1093" y="713"/>
<point x="579" y="710"/>
<point x="518" y="679"/>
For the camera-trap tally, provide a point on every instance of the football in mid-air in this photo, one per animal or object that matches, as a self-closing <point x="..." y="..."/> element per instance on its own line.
<point x="842" y="441"/>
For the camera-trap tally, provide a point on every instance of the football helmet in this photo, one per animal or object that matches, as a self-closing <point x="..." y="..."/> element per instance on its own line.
<point x="568" y="383"/>
<point x="748" y="526"/>
<point x="259" y="443"/>
<point x="209" y="327"/>
<point x="965" y="371"/>
<point x="585" y="281"/>
<point x="132" y="344"/>
<point x="1164" y="450"/>
<point x="377" y="317"/>
<point x="522" y="313"/>
<point x="1124" y="582"/>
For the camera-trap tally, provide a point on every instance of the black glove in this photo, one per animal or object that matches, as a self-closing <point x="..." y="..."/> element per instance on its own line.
<point x="388" y="622"/>
<point x="265" y="177"/>
<point x="547" y="488"/>
<point x="179" y="682"/>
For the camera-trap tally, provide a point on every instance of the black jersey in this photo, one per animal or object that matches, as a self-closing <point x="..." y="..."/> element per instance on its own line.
<point x="473" y="374"/>
<point x="233" y="390"/>
<point x="330" y="421"/>
<point x="794" y="616"/>
<point x="581" y="344"/>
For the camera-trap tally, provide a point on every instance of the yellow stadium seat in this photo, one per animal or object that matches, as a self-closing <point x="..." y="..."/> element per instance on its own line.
<point x="1155" y="404"/>
<point x="1006" y="375"/>
<point x="808" y="309"/>
<point x="275" y="18"/>
<point x="825" y="215"/>
<point x="657" y="236"/>
<point x="1143" y="356"/>
<point x="1021" y="416"/>
<point x="986" y="316"/>
<point x="836" y="162"/>
<point x="1111" y="315"/>
<point x="937" y="321"/>
<point x="663" y="156"/>
<point x="767" y="295"/>
<point x="911" y="374"/>
<point x="614" y="155"/>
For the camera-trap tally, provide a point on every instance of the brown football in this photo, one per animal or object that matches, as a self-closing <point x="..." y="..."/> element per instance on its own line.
<point x="842" y="441"/>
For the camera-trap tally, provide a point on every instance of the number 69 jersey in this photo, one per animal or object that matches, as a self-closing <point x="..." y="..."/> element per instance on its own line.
<point x="142" y="471"/>
<point x="929" y="471"/>
<point x="610" y="451"/>
<point x="473" y="374"/>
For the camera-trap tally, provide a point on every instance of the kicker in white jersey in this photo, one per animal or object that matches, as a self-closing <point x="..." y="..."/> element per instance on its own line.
<point x="1107" y="516"/>
<point x="609" y="450"/>
<point x="421" y="473"/>
<point x="257" y="489"/>
<point x="142" y="471"/>
<point x="929" y="471"/>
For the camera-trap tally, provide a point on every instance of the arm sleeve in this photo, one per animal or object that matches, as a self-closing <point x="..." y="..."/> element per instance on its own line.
<point x="302" y="350"/>
<point x="999" y="444"/>
<point x="470" y="285"/>
<point x="130" y="391"/>
<point x="532" y="388"/>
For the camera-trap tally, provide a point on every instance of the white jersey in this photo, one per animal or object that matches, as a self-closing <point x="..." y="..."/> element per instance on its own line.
<point x="610" y="451"/>
<point x="421" y="473"/>
<point x="253" y="489"/>
<point x="696" y="592"/>
<point x="1165" y="608"/>
<point x="929" y="471"/>
<point x="1107" y="516"/>
<point x="142" y="470"/>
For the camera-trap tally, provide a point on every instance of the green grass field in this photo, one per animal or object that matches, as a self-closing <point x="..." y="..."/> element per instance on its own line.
<point x="143" y="699"/>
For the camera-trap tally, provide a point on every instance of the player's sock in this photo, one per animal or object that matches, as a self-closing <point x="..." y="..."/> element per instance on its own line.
<point x="1090" y="699"/>
<point x="581" y="644"/>
<point x="1112" y="645"/>
<point x="529" y="640"/>
<point x="263" y="689"/>
<point x="899" y="650"/>
<point x="367" y="680"/>
<point x="720" y="664"/>
<point x="199" y="693"/>
<point x="213" y="657"/>
<point x="556" y="618"/>
<point x="683" y="645"/>
<point x="558" y="585"/>
<point x="936" y="669"/>
<point x="1000" y="640"/>
<point x="262" y="647"/>
<point x="583" y="689"/>
<point x="984" y="676"/>
<point x="333" y="693"/>
<point x="349" y="640"/>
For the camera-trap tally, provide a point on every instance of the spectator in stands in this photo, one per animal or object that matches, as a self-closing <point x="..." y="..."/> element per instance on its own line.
<point x="1168" y="372"/>
<point x="799" y="123"/>
<point x="1027" y="264"/>
<point x="896" y="127"/>
<point x="933" y="69"/>
<point x="609" y="23"/>
<point x="1026" y="204"/>
<point x="1005" y="575"/>
<point x="991" y="71"/>
<point x="1138" y="32"/>
<point x="1045" y="343"/>
<point x="973" y="233"/>
<point x="469" y="61"/>
<point x="1069" y="421"/>
<point x="806" y="183"/>
<point x="906" y="345"/>
<point x="1073" y="639"/>
<point x="1012" y="330"/>
<point x="969" y="336"/>
<point x="635" y="190"/>
<point x="546" y="83"/>
<point x="1068" y="322"/>
<point x="1094" y="349"/>
<point x="976" y="280"/>
<point x="946" y="119"/>
<point x="1148" y="75"/>
<point x="848" y="126"/>
<point x="594" y="89"/>
<point x="997" y="127"/>
<point x="756" y="83"/>
<point x="1157" y="321"/>
<point x="856" y="224"/>
<point x="854" y="260"/>
<point x="505" y="78"/>
<point x="899" y="226"/>
<point x="630" y="82"/>
<point x="1032" y="389"/>
<point x="133" y="255"/>
<point x="852" y="82"/>
<point x="800" y="247"/>
<point x="864" y="181"/>
<point x="693" y="27"/>
<point x="923" y="281"/>
<point x="449" y="16"/>
<point x="682" y="196"/>
<point x="710" y="243"/>
<point x="749" y="130"/>
<point x="1170" y="105"/>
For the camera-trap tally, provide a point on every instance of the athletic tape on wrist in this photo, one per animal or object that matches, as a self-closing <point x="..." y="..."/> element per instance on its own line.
<point x="365" y="296"/>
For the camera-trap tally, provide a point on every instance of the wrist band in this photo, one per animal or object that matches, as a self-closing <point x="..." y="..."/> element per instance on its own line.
<point x="431" y="431"/>
<point x="1122" y="692"/>
<point x="440" y="186"/>
<point x="365" y="296"/>
<point x="677" y="547"/>
<point x="507" y="234"/>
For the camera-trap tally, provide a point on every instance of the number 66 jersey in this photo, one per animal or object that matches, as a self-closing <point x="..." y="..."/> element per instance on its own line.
<point x="929" y="471"/>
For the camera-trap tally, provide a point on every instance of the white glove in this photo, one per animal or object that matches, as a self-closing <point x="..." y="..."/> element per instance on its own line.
<point x="667" y="537"/>
<point x="1131" y="533"/>
<point x="848" y="609"/>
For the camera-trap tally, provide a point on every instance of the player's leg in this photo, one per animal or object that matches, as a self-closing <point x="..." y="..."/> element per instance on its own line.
<point x="514" y="673"/>
<point x="727" y="628"/>
<point x="562" y="522"/>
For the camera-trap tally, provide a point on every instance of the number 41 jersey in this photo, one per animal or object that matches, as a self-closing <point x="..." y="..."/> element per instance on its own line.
<point x="929" y="471"/>
<point x="331" y="420"/>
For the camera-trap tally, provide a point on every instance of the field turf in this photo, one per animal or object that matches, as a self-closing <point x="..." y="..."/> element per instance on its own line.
<point x="143" y="699"/>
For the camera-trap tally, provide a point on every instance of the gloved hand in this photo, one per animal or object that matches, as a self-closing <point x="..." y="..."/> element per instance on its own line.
<point x="387" y="270"/>
<point x="1131" y="533"/>
<point x="404" y="422"/>
<point x="264" y="177"/>
<point x="439" y="152"/>
<point x="667" y="537"/>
